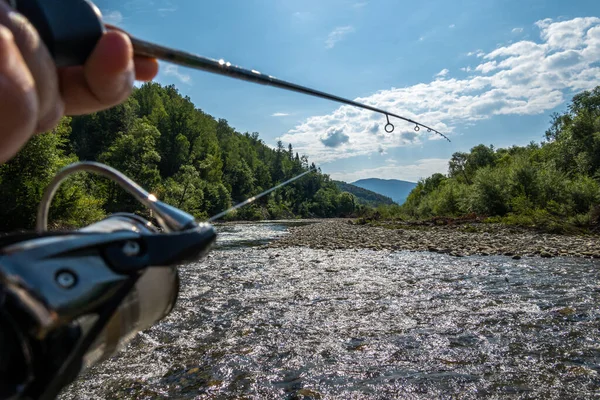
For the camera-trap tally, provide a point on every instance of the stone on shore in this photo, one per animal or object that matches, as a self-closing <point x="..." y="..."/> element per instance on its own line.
<point x="456" y="240"/>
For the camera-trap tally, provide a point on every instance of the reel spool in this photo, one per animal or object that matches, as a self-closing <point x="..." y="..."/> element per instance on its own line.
<point x="71" y="299"/>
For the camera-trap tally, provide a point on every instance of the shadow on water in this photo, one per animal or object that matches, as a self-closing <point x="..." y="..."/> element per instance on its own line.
<point x="298" y="323"/>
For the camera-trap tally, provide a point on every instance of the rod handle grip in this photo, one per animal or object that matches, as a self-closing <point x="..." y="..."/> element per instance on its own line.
<point x="70" y="29"/>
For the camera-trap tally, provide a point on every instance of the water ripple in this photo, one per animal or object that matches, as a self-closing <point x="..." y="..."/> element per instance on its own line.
<point x="300" y="323"/>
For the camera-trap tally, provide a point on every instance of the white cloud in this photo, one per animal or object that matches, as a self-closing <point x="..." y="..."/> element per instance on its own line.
<point x="411" y="172"/>
<point x="517" y="30"/>
<point x="337" y="35"/>
<point x="451" y="26"/>
<point x="334" y="137"/>
<point x="113" y="17"/>
<point x="566" y="34"/>
<point x="360" y="4"/>
<point x="466" y="69"/>
<point x="477" y="53"/>
<point x="523" y="78"/>
<point x="443" y="72"/>
<point x="487" y="67"/>
<point x="279" y="114"/>
<point x="173" y="70"/>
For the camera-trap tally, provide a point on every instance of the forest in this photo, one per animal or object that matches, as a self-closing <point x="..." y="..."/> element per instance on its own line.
<point x="552" y="185"/>
<point x="203" y="166"/>
<point x="174" y="150"/>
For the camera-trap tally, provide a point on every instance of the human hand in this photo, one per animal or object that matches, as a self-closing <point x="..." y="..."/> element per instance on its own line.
<point x="34" y="94"/>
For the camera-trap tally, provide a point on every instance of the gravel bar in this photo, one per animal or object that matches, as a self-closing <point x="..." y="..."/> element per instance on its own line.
<point x="456" y="240"/>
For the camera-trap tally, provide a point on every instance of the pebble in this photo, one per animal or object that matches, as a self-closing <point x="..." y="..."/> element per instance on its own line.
<point x="485" y="239"/>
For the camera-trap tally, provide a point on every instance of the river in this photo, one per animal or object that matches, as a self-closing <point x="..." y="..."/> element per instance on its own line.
<point x="299" y="323"/>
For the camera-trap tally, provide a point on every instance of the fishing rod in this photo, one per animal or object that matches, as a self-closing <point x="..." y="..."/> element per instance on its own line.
<point x="69" y="300"/>
<point x="71" y="28"/>
<point x="222" y="67"/>
<point x="258" y="196"/>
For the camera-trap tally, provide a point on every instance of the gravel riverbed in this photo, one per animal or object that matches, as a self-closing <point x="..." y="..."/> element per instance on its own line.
<point x="455" y="240"/>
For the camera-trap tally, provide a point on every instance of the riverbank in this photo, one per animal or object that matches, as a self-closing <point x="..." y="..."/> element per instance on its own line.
<point x="456" y="240"/>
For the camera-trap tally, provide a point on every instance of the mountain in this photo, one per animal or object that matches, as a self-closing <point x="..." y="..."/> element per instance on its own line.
<point x="393" y="188"/>
<point x="364" y="196"/>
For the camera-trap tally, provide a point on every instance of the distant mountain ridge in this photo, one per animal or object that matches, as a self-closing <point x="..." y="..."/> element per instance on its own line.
<point x="364" y="196"/>
<point x="395" y="189"/>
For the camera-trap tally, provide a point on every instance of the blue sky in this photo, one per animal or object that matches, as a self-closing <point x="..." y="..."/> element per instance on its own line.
<point x="481" y="71"/>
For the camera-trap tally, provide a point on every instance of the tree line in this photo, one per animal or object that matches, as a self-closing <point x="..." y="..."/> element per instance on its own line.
<point x="171" y="148"/>
<point x="552" y="185"/>
<point x="364" y="197"/>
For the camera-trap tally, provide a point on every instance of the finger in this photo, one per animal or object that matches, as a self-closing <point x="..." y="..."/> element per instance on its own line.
<point x="40" y="64"/>
<point x="18" y="99"/>
<point x="104" y="81"/>
<point x="145" y="68"/>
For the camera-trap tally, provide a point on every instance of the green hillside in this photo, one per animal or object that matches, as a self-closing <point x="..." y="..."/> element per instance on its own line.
<point x="364" y="196"/>
<point x="186" y="157"/>
<point x="395" y="189"/>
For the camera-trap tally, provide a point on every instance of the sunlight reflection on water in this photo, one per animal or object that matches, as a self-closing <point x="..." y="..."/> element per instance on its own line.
<point x="293" y="323"/>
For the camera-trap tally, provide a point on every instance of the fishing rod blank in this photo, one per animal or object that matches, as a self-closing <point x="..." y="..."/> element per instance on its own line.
<point x="258" y="196"/>
<point x="222" y="67"/>
<point x="71" y="28"/>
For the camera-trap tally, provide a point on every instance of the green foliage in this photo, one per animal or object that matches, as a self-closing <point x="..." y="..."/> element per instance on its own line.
<point x="584" y="193"/>
<point x="363" y="196"/>
<point x="489" y="192"/>
<point x="134" y="154"/>
<point x="186" y="190"/>
<point x="463" y="166"/>
<point x="93" y="134"/>
<point x="216" y="198"/>
<point x="553" y="186"/>
<point x="163" y="142"/>
<point x="449" y="200"/>
<point x="391" y="212"/>
<point x="346" y="204"/>
<point x="24" y="178"/>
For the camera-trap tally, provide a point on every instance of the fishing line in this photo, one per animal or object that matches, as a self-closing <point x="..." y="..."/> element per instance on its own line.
<point x="258" y="196"/>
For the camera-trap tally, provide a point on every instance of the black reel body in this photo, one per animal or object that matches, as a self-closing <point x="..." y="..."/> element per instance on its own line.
<point x="71" y="299"/>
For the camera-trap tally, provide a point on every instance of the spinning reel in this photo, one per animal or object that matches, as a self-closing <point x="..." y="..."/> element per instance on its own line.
<point x="71" y="299"/>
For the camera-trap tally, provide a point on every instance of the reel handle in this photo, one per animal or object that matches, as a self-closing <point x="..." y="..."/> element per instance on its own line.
<point x="70" y="29"/>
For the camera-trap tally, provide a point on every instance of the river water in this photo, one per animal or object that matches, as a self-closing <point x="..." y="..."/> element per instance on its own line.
<point x="298" y="323"/>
